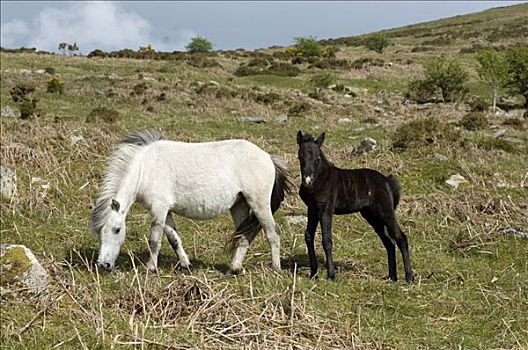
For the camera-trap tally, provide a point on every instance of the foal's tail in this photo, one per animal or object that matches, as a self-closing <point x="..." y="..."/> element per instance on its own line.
<point x="395" y="190"/>
<point x="251" y="226"/>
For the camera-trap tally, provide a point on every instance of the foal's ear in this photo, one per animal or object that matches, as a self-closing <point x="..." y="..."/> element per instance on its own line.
<point x="299" y="137"/>
<point x="319" y="141"/>
<point x="115" y="205"/>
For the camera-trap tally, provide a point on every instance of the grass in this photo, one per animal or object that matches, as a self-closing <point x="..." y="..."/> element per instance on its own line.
<point x="471" y="289"/>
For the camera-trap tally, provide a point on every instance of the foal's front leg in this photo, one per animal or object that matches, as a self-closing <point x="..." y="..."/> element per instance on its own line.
<point x="326" y="228"/>
<point x="309" y="236"/>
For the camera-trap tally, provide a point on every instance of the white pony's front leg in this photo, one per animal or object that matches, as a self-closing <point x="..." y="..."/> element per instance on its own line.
<point x="156" y="229"/>
<point x="176" y="242"/>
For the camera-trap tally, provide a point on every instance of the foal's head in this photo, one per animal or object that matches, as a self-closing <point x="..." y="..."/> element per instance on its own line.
<point x="111" y="237"/>
<point x="310" y="157"/>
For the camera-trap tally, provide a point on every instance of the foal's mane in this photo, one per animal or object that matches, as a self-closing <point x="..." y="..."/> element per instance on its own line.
<point x="116" y="170"/>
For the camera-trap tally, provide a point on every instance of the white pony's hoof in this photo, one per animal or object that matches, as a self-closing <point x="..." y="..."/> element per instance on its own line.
<point x="152" y="267"/>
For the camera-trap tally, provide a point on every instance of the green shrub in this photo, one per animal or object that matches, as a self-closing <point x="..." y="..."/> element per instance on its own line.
<point x="268" y="98"/>
<point x="421" y="91"/>
<point x="21" y="90"/>
<point x="55" y="85"/>
<point x="377" y="42"/>
<point x="490" y="144"/>
<point x="298" y="108"/>
<point x="422" y="132"/>
<point x="308" y="46"/>
<point x="361" y="63"/>
<point x="139" y="89"/>
<point x="322" y="80"/>
<point x="283" y="69"/>
<point x="259" y="63"/>
<point x="478" y="104"/>
<point x="474" y="121"/>
<point x="102" y="113"/>
<point x="202" y="62"/>
<point x="517" y="58"/>
<point x="199" y="44"/>
<point x="244" y="71"/>
<point x="447" y="76"/>
<point x="50" y="70"/>
<point x="28" y="108"/>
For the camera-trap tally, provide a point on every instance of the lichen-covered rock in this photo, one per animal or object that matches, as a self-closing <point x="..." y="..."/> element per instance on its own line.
<point x="20" y="270"/>
<point x="366" y="145"/>
<point x="7" y="182"/>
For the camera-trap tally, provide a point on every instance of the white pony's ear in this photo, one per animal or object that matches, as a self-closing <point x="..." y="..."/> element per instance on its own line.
<point x="115" y="205"/>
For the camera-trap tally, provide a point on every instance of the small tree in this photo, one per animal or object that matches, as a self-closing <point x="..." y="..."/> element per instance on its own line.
<point x="493" y="69"/>
<point x="199" y="44"/>
<point x="62" y="47"/>
<point x="517" y="58"/>
<point x="308" y="46"/>
<point x="73" y="48"/>
<point x="448" y="76"/>
<point x="377" y="42"/>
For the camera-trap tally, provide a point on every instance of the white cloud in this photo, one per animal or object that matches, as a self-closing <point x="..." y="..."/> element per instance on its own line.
<point x="103" y="25"/>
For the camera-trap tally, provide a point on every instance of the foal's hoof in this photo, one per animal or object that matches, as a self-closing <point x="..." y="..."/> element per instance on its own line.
<point x="330" y="277"/>
<point x="390" y="278"/>
<point x="409" y="279"/>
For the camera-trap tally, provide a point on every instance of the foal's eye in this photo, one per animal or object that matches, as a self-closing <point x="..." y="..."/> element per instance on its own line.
<point x="117" y="230"/>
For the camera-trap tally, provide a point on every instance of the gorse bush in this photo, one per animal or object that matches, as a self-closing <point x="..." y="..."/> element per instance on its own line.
<point x="55" y="85"/>
<point x="199" y="44"/>
<point x="308" y="46"/>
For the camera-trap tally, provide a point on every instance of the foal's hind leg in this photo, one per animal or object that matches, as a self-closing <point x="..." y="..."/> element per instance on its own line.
<point x="176" y="242"/>
<point x="379" y="227"/>
<point x="239" y="213"/>
<point x="397" y="234"/>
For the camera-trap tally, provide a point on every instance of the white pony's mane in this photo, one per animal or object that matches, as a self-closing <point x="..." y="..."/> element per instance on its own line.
<point x="116" y="170"/>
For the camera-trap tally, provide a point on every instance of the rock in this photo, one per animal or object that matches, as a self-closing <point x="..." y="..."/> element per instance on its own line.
<point x="149" y="79"/>
<point x="40" y="71"/>
<point x="257" y="120"/>
<point x="7" y="112"/>
<point x="366" y="145"/>
<point x="43" y="183"/>
<point x="24" y="71"/>
<point x="7" y="182"/>
<point x="455" y="180"/>
<point x="20" y="269"/>
<point x="499" y="133"/>
<point x="440" y="157"/>
<point x="344" y="121"/>
<point x="514" y="230"/>
<point x="76" y="137"/>
<point x="281" y="118"/>
<point x="358" y="91"/>
<point x="296" y="219"/>
<point x="112" y="76"/>
<point x="378" y="109"/>
<point x="214" y="83"/>
<point x="162" y="97"/>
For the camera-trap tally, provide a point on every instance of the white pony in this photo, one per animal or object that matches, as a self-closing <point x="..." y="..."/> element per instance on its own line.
<point x="195" y="180"/>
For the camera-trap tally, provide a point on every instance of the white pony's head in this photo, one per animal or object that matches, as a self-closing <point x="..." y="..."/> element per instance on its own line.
<point x="111" y="237"/>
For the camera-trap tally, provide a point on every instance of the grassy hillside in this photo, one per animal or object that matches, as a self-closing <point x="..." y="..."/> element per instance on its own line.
<point x="471" y="288"/>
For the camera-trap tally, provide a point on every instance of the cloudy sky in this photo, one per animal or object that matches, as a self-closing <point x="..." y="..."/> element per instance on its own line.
<point x="169" y="26"/>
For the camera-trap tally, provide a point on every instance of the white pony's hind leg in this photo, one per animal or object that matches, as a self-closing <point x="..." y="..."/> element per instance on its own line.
<point x="176" y="242"/>
<point x="239" y="212"/>
<point x="266" y="220"/>
<point x="159" y="215"/>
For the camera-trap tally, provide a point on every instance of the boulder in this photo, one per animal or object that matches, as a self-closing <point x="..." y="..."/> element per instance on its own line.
<point x="366" y="145"/>
<point x="7" y="182"/>
<point x="455" y="180"/>
<point x="8" y="112"/>
<point x="281" y="118"/>
<point x="20" y="270"/>
<point x="257" y="120"/>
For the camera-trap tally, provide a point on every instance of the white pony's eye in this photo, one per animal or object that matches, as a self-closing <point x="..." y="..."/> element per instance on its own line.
<point x="117" y="230"/>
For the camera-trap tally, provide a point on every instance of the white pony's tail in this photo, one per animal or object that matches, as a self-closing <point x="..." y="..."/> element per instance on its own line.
<point x="251" y="226"/>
